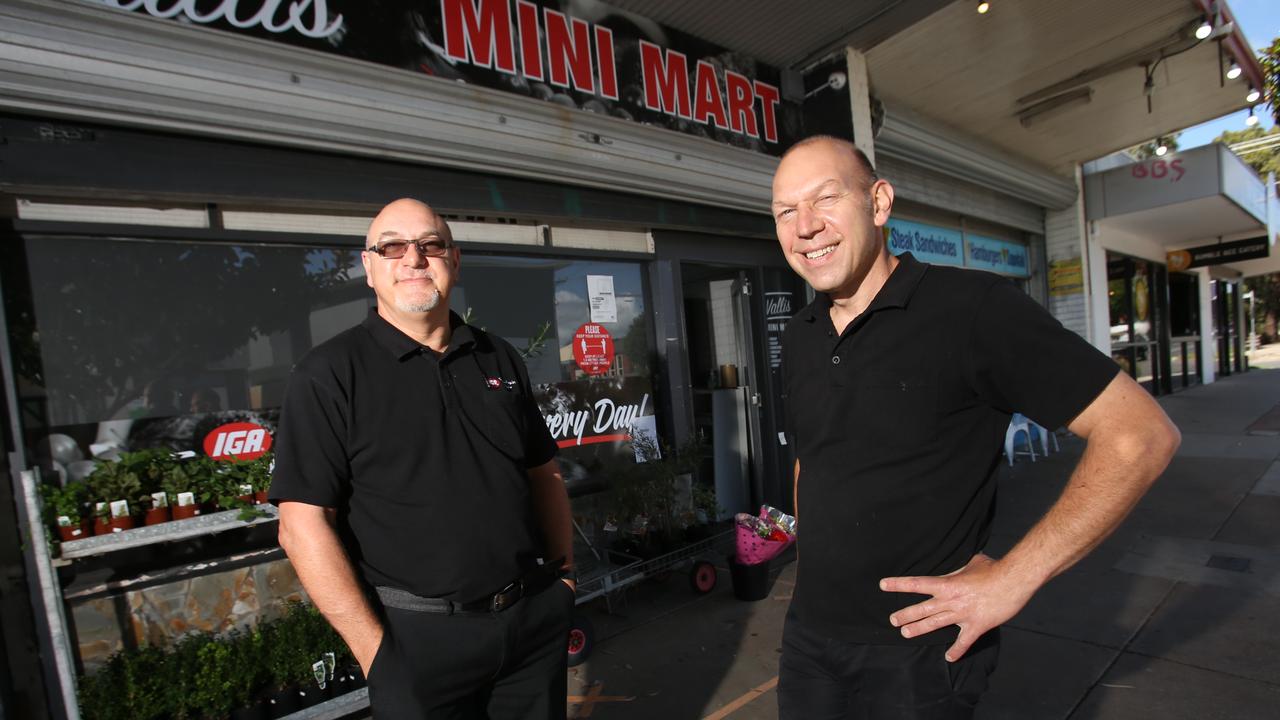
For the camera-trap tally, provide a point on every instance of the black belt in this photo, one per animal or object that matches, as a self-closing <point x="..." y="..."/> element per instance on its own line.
<point x="531" y="583"/>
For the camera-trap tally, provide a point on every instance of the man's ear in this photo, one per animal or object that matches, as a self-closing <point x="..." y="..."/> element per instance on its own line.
<point x="881" y="201"/>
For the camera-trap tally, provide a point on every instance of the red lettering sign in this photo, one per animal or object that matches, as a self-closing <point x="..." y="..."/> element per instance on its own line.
<point x="708" y="105"/>
<point x="768" y="95"/>
<point x="665" y="74"/>
<point x="237" y="441"/>
<point x="569" y="52"/>
<point x="742" y="114"/>
<point x="593" y="349"/>
<point x="479" y="34"/>
<point x="1158" y="170"/>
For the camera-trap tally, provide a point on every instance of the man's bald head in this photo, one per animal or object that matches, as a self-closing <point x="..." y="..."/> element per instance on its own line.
<point x="866" y="172"/>
<point x="394" y="214"/>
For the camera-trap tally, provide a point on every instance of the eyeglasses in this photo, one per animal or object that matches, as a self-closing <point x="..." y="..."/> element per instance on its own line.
<point x="427" y="247"/>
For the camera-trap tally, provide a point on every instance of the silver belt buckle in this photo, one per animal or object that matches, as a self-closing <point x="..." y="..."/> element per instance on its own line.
<point x="501" y="601"/>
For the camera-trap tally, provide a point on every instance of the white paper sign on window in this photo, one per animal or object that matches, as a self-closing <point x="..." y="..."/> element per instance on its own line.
<point x="604" y="306"/>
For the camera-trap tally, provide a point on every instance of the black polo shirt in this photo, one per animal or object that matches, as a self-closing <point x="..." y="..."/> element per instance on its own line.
<point x="424" y="456"/>
<point x="898" y="423"/>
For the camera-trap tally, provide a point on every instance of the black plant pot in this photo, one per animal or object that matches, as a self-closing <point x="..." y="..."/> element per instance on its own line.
<point x="282" y="702"/>
<point x="355" y="677"/>
<point x="310" y="695"/>
<point x="257" y="711"/>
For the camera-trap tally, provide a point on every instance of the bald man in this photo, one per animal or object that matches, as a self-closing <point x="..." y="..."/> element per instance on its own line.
<point x="420" y="501"/>
<point x="900" y="379"/>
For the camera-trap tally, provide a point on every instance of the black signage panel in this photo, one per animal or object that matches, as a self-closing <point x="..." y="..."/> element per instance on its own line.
<point x="583" y="54"/>
<point x="1219" y="254"/>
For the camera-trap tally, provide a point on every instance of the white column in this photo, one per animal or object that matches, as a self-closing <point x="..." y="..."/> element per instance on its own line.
<point x="1064" y="242"/>
<point x="1208" y="368"/>
<point x="860" y="102"/>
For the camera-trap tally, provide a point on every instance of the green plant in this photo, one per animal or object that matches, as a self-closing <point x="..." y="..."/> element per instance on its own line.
<point x="63" y="501"/>
<point x="112" y="481"/>
<point x="651" y="489"/>
<point x="182" y="476"/>
<point x="212" y="691"/>
<point x="132" y="685"/>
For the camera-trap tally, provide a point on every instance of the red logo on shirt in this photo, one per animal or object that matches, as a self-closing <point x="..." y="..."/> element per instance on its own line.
<point x="237" y="441"/>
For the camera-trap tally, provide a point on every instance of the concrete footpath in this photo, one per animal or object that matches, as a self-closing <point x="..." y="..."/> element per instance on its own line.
<point x="1173" y="617"/>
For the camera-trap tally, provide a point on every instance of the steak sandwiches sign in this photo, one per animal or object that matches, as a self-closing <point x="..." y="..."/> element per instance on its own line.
<point x="581" y="54"/>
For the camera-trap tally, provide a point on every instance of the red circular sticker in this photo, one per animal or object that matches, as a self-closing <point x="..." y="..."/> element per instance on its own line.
<point x="238" y="441"/>
<point x="593" y="349"/>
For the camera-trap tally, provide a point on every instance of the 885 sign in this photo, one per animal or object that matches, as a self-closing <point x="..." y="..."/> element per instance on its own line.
<point x="1170" y="170"/>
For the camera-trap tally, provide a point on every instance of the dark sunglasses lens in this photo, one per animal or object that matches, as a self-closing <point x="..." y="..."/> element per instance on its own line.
<point x="433" y="248"/>
<point x="393" y="249"/>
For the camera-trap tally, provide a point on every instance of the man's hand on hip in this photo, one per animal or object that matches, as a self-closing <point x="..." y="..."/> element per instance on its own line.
<point x="977" y="597"/>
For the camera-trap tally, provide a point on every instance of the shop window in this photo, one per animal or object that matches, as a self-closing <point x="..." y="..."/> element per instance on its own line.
<point x="584" y="330"/>
<point x="133" y="344"/>
<point x="138" y="344"/>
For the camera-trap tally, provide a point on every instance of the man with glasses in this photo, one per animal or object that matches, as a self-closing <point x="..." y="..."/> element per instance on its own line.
<point x="420" y="501"/>
<point x="900" y="380"/>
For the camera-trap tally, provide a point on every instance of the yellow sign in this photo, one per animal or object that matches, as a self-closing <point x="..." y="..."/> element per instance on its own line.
<point x="1066" y="277"/>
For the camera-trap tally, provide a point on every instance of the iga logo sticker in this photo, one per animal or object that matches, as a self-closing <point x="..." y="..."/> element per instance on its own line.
<point x="237" y="441"/>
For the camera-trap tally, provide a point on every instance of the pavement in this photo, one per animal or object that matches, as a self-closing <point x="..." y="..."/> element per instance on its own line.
<point x="1172" y="617"/>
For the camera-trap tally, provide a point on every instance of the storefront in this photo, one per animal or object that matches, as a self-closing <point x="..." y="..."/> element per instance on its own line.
<point x="183" y="207"/>
<point x="1177" y="235"/>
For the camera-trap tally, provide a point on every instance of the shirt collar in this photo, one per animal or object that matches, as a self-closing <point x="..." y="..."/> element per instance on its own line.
<point x="896" y="292"/>
<point x="402" y="346"/>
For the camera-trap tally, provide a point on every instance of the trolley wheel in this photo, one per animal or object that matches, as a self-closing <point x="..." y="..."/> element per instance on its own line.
<point x="582" y="639"/>
<point x="702" y="578"/>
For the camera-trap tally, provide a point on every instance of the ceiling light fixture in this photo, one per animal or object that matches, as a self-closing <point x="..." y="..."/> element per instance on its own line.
<point x="1253" y="95"/>
<point x="1234" y="71"/>
<point x="983" y="7"/>
<point x="1160" y="151"/>
<point x="1204" y="30"/>
<point x="1057" y="103"/>
<point x="1252" y="119"/>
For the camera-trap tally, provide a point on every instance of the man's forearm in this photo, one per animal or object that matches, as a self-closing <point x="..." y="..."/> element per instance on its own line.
<point x="553" y="513"/>
<point x="326" y="572"/>
<point x="1111" y="477"/>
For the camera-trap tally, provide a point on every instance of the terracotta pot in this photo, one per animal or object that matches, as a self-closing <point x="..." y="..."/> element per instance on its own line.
<point x="157" y="515"/>
<point x="246" y="499"/>
<point x="122" y="523"/>
<point x="101" y="525"/>
<point x="260" y="497"/>
<point x="78" y="531"/>
<point x="182" y="512"/>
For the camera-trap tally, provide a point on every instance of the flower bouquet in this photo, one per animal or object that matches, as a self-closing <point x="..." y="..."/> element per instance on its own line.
<point x="762" y="537"/>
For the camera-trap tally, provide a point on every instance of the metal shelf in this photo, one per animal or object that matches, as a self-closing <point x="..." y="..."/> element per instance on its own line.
<point x="164" y="532"/>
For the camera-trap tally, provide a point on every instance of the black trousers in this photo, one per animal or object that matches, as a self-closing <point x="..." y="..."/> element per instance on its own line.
<point x="824" y="679"/>
<point x="492" y="666"/>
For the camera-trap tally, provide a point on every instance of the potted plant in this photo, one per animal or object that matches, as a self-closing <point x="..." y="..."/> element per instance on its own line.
<point x="653" y="500"/>
<point x="181" y="485"/>
<point x="111" y="486"/>
<point x="65" y="508"/>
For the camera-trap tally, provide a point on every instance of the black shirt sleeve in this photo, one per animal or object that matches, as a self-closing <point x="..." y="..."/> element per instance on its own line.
<point x="1021" y="359"/>
<point x="311" y="463"/>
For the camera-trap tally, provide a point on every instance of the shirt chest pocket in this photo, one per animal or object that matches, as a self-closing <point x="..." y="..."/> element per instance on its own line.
<point x="896" y="412"/>
<point x="505" y="421"/>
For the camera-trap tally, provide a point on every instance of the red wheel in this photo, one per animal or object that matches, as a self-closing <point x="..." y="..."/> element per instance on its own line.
<point x="703" y="577"/>
<point x="581" y="640"/>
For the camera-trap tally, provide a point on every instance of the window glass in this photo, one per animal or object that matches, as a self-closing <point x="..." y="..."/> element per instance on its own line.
<point x="132" y="344"/>
<point x="583" y="328"/>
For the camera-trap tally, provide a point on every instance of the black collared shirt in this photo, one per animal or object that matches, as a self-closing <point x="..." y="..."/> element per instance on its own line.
<point x="898" y="424"/>
<point x="424" y="456"/>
